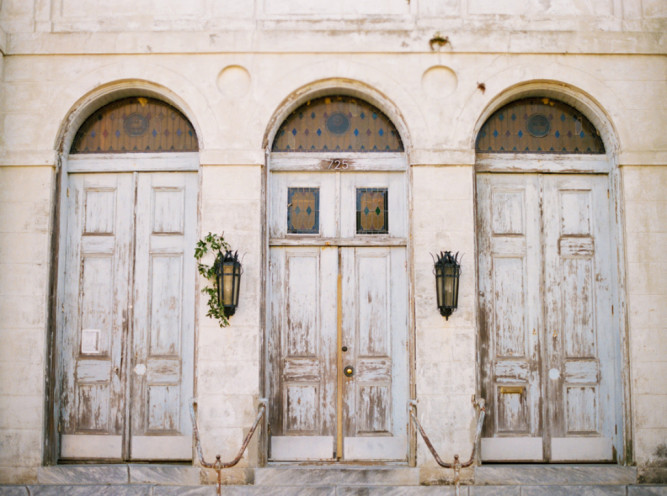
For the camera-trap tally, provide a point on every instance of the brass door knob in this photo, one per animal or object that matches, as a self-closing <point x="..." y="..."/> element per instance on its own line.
<point x="348" y="371"/>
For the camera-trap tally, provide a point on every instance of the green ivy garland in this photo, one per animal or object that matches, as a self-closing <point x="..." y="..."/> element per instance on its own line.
<point x="212" y="243"/>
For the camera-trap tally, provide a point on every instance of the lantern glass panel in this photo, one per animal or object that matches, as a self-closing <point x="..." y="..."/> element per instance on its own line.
<point x="228" y="284"/>
<point x="450" y="285"/>
<point x="439" y="283"/>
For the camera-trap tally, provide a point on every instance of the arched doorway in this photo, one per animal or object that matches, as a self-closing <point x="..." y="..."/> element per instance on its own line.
<point x="337" y="286"/>
<point x="548" y="272"/>
<point x="126" y="284"/>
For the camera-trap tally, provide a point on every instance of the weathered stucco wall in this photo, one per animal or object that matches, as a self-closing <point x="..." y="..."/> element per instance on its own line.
<point x="646" y="234"/>
<point x="232" y="69"/>
<point x="26" y="196"/>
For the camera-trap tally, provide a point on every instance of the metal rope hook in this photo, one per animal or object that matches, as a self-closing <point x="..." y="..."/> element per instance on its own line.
<point x="456" y="465"/>
<point x="218" y="465"/>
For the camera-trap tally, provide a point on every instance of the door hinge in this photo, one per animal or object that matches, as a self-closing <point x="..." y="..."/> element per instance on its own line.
<point x="60" y="427"/>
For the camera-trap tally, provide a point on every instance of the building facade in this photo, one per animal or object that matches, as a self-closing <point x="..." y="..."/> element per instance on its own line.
<point x="339" y="146"/>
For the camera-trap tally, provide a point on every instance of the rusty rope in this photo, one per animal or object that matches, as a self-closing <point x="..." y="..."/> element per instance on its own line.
<point x="456" y="464"/>
<point x="218" y="465"/>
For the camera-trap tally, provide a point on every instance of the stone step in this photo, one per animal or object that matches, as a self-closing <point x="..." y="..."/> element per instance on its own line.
<point x="342" y="490"/>
<point x="336" y="475"/>
<point x="538" y="475"/>
<point x="131" y="473"/>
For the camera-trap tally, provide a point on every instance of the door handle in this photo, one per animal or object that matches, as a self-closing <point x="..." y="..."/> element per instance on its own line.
<point x="348" y="371"/>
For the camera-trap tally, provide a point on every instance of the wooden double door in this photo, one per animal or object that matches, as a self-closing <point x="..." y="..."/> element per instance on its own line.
<point x="549" y="342"/>
<point x="337" y="368"/>
<point x="126" y="316"/>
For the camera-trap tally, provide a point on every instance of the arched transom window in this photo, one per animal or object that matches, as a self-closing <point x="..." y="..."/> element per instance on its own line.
<point x="337" y="123"/>
<point x="135" y="125"/>
<point x="539" y="125"/>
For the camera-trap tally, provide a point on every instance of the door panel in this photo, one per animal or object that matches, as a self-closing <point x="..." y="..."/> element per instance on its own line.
<point x="580" y="341"/>
<point x="96" y="289"/>
<point x="508" y="223"/>
<point x="327" y="194"/>
<point x="545" y="301"/>
<point x="302" y="339"/>
<point x="128" y="316"/>
<point x="374" y="293"/>
<point x="392" y="183"/>
<point x="162" y="351"/>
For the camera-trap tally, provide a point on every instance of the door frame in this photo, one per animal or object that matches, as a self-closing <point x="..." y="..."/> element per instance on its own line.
<point x="77" y="114"/>
<point x="313" y="162"/>
<point x="132" y="163"/>
<point x="584" y="165"/>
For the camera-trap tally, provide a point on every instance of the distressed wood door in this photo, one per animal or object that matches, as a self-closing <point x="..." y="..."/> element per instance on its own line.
<point x="546" y="332"/>
<point x="95" y="319"/>
<point x="302" y="349"/>
<point x="337" y="299"/>
<point x="126" y="335"/>
<point x="374" y="321"/>
<point x="161" y="376"/>
<point x="580" y="337"/>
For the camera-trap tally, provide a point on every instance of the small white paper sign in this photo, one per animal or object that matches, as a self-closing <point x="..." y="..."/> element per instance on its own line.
<point x="90" y="341"/>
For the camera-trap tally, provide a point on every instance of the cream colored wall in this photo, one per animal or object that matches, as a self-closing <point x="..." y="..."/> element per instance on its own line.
<point x="443" y="218"/>
<point x="645" y="195"/>
<point x="26" y="196"/>
<point x="231" y="75"/>
<point x="228" y="366"/>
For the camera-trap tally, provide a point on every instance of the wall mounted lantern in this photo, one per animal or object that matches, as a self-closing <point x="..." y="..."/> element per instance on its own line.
<point x="447" y="272"/>
<point x="228" y="272"/>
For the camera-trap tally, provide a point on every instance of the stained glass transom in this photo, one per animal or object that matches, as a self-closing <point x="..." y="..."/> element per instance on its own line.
<point x="372" y="211"/>
<point x="538" y="125"/>
<point x="303" y="210"/>
<point x="135" y="125"/>
<point x="337" y="124"/>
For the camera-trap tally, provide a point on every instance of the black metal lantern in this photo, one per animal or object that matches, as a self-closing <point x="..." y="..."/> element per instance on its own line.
<point x="447" y="272"/>
<point x="228" y="272"/>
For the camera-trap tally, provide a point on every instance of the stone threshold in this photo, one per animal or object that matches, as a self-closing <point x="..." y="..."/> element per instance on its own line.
<point x="336" y="475"/>
<point x="131" y="473"/>
<point x="541" y="475"/>
<point x="278" y="475"/>
<point x="151" y="490"/>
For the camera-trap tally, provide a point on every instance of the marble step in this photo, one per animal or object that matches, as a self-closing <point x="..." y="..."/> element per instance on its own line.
<point x="537" y="475"/>
<point x="152" y="490"/>
<point x="184" y="475"/>
<point x="336" y="475"/>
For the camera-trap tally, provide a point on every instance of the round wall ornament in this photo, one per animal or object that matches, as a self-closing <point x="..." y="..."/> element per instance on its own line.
<point x="538" y="125"/>
<point x="338" y="123"/>
<point x="135" y="124"/>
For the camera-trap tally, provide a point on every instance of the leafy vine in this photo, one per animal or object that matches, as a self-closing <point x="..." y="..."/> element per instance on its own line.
<point x="212" y="243"/>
